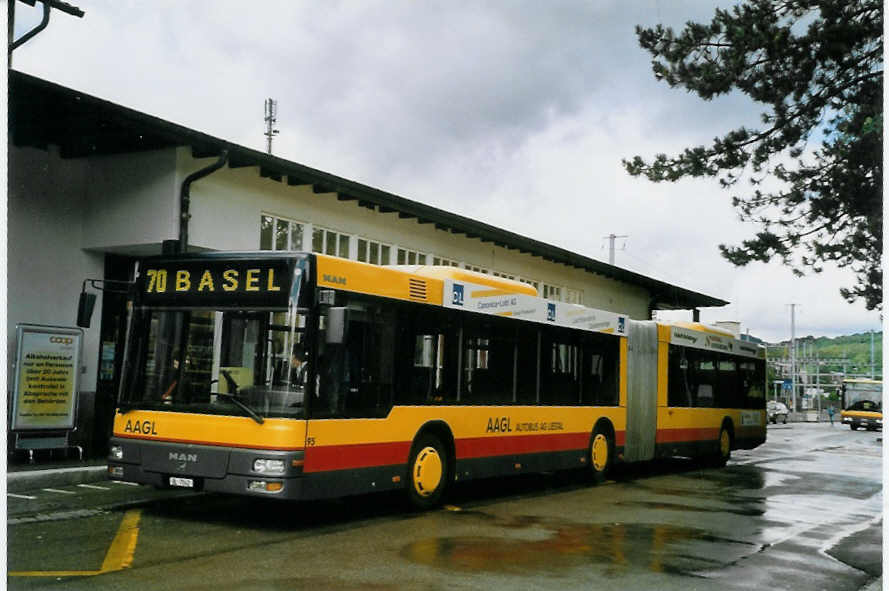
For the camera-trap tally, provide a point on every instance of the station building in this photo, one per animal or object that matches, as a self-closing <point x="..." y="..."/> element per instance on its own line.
<point x="93" y="185"/>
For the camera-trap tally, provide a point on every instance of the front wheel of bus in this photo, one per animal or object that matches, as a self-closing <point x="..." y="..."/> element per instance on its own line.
<point x="601" y="454"/>
<point x="428" y="467"/>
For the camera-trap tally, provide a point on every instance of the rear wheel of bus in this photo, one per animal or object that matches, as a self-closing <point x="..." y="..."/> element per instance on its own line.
<point x="601" y="453"/>
<point x="723" y="448"/>
<point x="428" y="470"/>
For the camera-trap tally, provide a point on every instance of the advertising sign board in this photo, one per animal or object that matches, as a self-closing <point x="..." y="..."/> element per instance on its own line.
<point x="47" y="376"/>
<point x="487" y="300"/>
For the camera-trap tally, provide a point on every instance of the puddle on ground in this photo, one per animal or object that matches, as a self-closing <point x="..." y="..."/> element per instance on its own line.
<point x="735" y="509"/>
<point x="552" y="546"/>
<point x="288" y="584"/>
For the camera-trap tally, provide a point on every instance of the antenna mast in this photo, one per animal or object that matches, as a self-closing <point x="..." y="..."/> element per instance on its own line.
<point x="271" y="117"/>
<point x="611" y="238"/>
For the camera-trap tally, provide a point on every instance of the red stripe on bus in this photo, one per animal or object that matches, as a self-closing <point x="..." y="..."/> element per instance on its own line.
<point x="362" y="455"/>
<point x="367" y="455"/>
<point x="679" y="435"/>
<point x="482" y="447"/>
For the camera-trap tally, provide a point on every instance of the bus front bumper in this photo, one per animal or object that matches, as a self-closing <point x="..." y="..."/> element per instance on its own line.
<point x="267" y="473"/>
<point x="281" y="488"/>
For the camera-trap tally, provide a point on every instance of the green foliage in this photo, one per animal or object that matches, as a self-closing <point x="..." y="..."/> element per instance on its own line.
<point x="854" y="348"/>
<point x="817" y="68"/>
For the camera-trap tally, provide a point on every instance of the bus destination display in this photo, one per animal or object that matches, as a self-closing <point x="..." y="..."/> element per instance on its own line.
<point x="205" y="283"/>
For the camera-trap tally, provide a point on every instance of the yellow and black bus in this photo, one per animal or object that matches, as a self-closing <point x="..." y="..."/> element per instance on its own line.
<point x="303" y="376"/>
<point x="862" y="403"/>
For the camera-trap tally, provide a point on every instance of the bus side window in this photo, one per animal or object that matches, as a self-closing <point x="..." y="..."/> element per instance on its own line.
<point x="599" y="370"/>
<point x="426" y="356"/>
<point x="752" y="394"/>
<point x="560" y="375"/>
<point x="680" y="377"/>
<point x="356" y="377"/>
<point x="489" y="366"/>
<point x="526" y="363"/>
<point x="705" y="369"/>
<point x="729" y="384"/>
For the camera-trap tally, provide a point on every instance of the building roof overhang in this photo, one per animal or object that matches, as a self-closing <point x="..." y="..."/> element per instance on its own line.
<point x="42" y="113"/>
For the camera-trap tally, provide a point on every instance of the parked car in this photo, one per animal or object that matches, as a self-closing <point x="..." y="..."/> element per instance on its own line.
<point x="777" y="411"/>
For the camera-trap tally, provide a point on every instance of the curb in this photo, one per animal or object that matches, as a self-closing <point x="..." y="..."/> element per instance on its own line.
<point x="33" y="479"/>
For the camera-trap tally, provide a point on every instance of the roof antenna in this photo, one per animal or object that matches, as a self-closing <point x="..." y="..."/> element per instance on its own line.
<point x="271" y="117"/>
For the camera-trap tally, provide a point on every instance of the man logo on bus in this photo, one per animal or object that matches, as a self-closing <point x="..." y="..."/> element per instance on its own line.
<point x="458" y="295"/>
<point x="551" y="312"/>
<point x="621" y="324"/>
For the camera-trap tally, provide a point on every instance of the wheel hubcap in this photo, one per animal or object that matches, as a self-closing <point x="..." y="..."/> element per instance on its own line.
<point x="724" y="443"/>
<point x="600" y="452"/>
<point x="427" y="472"/>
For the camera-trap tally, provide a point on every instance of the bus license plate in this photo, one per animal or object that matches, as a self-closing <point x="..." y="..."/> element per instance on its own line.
<point x="181" y="482"/>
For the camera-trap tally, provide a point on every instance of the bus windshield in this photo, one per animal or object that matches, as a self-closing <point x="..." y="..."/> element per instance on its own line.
<point x="863" y="395"/>
<point x="217" y="362"/>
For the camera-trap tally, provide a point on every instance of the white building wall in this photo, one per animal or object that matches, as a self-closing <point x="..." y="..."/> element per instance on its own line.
<point x="46" y="264"/>
<point x="132" y="202"/>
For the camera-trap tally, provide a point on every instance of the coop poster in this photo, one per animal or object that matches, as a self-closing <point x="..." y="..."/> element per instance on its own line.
<point x="46" y="377"/>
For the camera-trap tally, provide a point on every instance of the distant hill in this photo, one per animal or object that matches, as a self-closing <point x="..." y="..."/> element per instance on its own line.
<point x="855" y="349"/>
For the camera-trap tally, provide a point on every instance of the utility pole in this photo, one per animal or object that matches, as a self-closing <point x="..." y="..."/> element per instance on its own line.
<point x="271" y="117"/>
<point x="611" y="239"/>
<point x="793" y="355"/>
<point x="818" y="383"/>
<point x="871" y="353"/>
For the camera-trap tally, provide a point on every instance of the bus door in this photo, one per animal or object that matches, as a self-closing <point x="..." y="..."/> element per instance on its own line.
<point x="641" y="391"/>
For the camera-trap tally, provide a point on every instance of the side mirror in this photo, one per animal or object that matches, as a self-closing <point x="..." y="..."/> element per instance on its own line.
<point x="85" y="309"/>
<point x="337" y="321"/>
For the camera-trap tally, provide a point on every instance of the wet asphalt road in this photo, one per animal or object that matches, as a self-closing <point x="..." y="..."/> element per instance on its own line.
<point x="801" y="512"/>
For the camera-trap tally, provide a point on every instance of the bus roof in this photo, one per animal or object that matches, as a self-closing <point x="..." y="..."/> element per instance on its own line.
<point x="457" y="274"/>
<point x="700" y="327"/>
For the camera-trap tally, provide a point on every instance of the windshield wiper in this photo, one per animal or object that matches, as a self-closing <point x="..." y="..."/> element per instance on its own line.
<point x="243" y="406"/>
<point x="232" y="397"/>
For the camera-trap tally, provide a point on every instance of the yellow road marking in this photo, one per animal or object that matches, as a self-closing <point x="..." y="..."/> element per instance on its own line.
<point x="119" y="555"/>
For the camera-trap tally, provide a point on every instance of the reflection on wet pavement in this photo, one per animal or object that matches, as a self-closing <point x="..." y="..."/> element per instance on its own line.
<point x="654" y="519"/>
<point x="552" y="546"/>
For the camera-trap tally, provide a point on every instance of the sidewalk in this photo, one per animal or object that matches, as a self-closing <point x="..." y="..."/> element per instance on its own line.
<point x="23" y="476"/>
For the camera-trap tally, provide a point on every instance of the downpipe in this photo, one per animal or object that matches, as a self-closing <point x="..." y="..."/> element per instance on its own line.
<point x="185" y="197"/>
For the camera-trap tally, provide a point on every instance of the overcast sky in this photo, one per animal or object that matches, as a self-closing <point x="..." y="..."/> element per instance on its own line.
<point x="514" y="113"/>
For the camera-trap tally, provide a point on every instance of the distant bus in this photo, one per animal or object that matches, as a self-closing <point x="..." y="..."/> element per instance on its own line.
<point x="304" y="376"/>
<point x="862" y="404"/>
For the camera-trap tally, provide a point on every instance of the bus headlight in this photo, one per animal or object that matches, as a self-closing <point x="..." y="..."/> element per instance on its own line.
<point x="264" y="486"/>
<point x="116" y="452"/>
<point x="268" y="466"/>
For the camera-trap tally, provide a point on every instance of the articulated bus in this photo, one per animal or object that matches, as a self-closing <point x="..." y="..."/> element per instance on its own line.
<point x="862" y="404"/>
<point x="304" y="376"/>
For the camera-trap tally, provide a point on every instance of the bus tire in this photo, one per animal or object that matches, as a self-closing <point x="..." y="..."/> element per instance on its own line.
<point x="853" y="426"/>
<point x="601" y="453"/>
<point x="427" y="472"/>
<point x="723" y="449"/>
